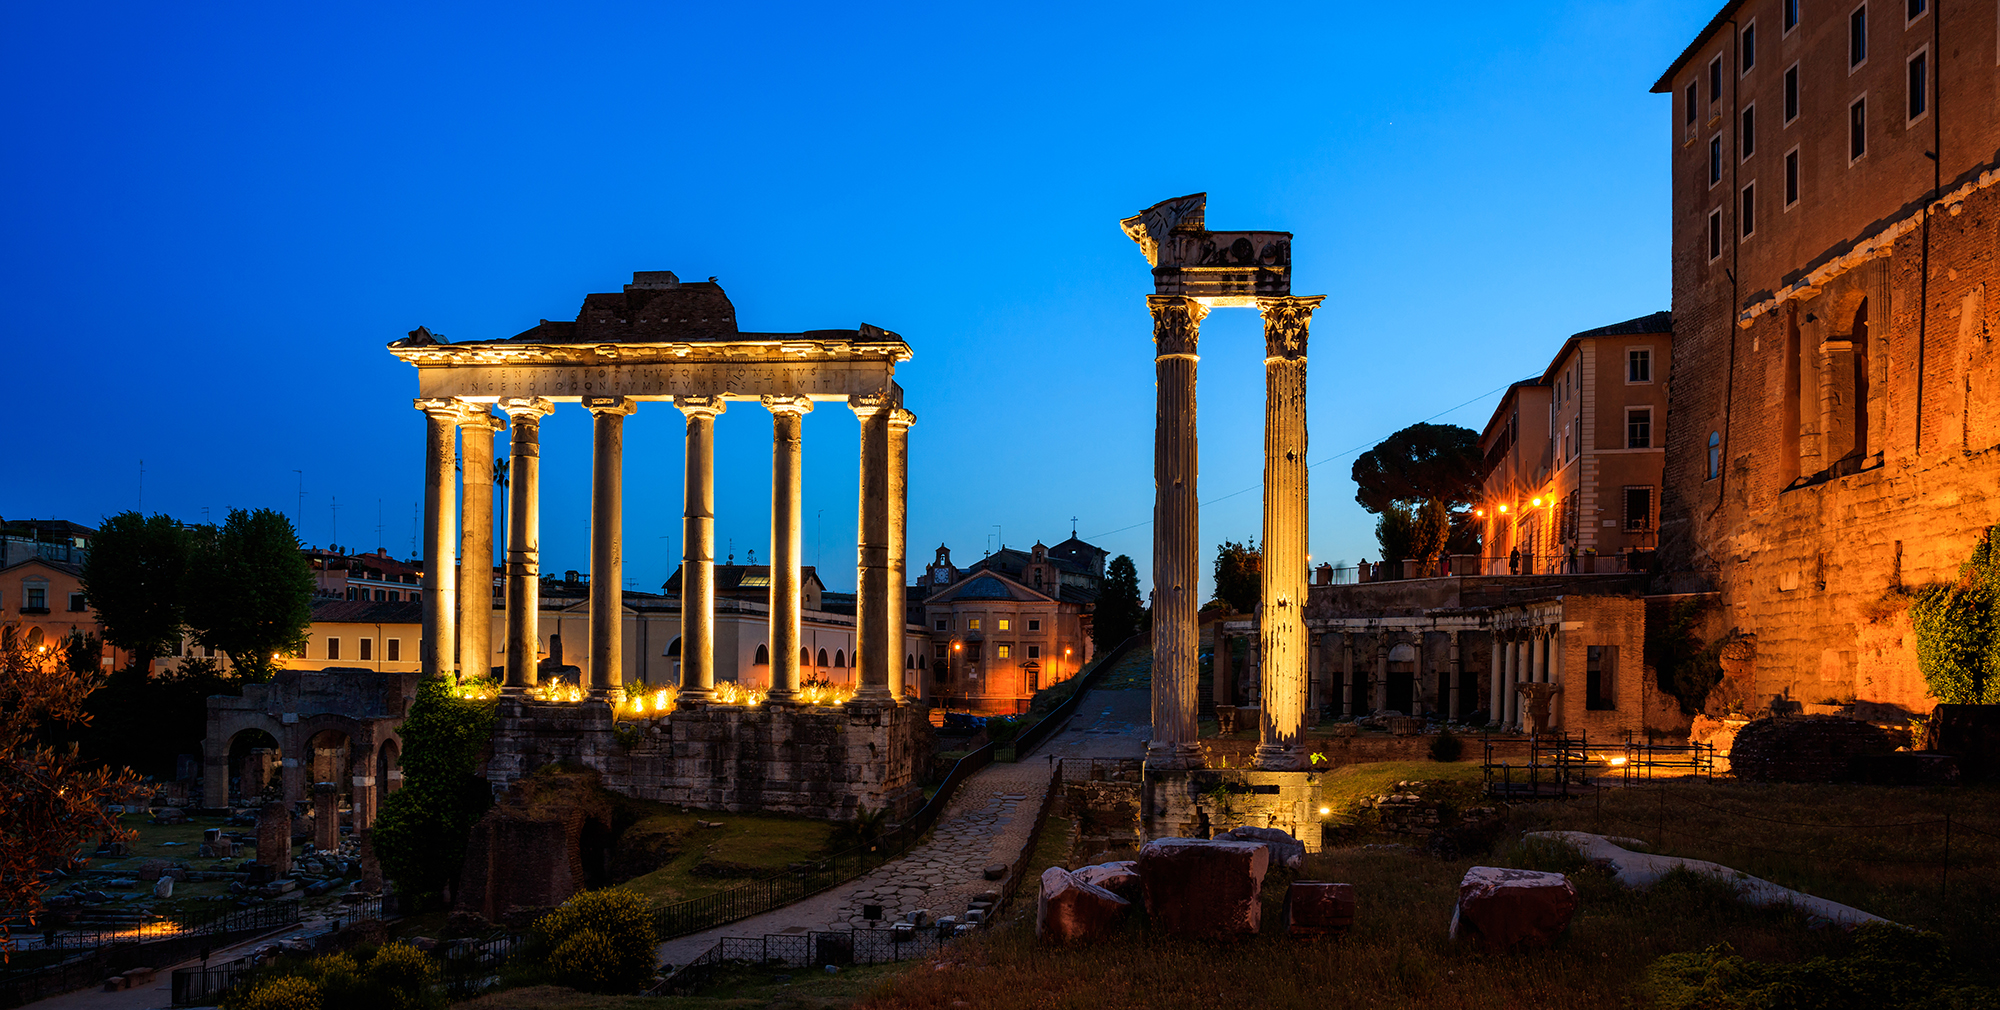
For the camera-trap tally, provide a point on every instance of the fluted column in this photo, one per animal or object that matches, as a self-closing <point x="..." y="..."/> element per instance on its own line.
<point x="900" y="421"/>
<point x="698" y="550"/>
<point x="1176" y="532"/>
<point x="475" y="543"/>
<point x="441" y="416"/>
<point x="1496" y="678"/>
<point x="1378" y="694"/>
<point x="1347" y="676"/>
<point x="1516" y="656"/>
<point x="1538" y="646"/>
<point x="787" y="486"/>
<point x="1282" y="627"/>
<point x="524" y="538"/>
<point x="873" y="635"/>
<point x="607" y="542"/>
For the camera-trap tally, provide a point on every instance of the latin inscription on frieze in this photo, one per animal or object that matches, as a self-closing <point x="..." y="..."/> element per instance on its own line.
<point x="821" y="379"/>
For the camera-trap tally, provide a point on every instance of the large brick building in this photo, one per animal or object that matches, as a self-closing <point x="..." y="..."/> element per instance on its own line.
<point x="1835" y="411"/>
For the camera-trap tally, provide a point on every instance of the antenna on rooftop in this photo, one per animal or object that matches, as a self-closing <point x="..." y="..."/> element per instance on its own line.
<point x="378" y="523"/>
<point x="333" y="505"/>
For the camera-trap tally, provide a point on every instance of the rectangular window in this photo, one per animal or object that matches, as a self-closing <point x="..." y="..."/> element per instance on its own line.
<point x="972" y="624"/>
<point x="1714" y="234"/>
<point x="180" y="646"/>
<point x="1639" y="428"/>
<point x="38" y="598"/>
<point x="1791" y="15"/>
<point x="1749" y="48"/>
<point x="395" y="650"/>
<point x="941" y="652"/>
<point x="333" y="648"/>
<point x="1639" y="364"/>
<point x="1693" y="102"/>
<point x="1791" y="94"/>
<point x="380" y="595"/>
<point x="1034" y="624"/>
<point x="76" y="603"/>
<point x="1914" y="9"/>
<point x="1003" y="651"/>
<point x="1857" y="37"/>
<point x="1034" y="652"/>
<point x="1857" y="132"/>
<point x="1748" y="145"/>
<point x="208" y="652"/>
<point x="1791" y="177"/>
<point x="1715" y="159"/>
<point x="943" y="624"/>
<point x="1005" y="625"/>
<point x="1749" y="217"/>
<point x="1919" y="85"/>
<point x="1639" y="508"/>
<point x="1715" y="80"/>
<point x="1599" y="691"/>
<point x="367" y="649"/>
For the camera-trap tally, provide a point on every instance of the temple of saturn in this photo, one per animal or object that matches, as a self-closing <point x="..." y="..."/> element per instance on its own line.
<point x="1195" y="270"/>
<point x="664" y="341"/>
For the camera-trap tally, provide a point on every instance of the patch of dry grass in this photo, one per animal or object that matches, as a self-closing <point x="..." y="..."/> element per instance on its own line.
<point x="766" y="842"/>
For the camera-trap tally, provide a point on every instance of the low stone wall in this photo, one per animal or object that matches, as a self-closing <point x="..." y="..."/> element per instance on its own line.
<point x="1358" y="749"/>
<point x="1201" y="803"/>
<point x="813" y="761"/>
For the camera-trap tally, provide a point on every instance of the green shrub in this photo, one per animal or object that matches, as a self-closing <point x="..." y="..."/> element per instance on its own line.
<point x="1890" y="968"/>
<point x="1447" y="747"/>
<point x="601" y="941"/>
<point x="1958" y="630"/>
<point x="402" y="977"/>
<point x="286" y="992"/>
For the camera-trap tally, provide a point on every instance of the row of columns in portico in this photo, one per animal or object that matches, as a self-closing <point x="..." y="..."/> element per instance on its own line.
<point x="459" y="610"/>
<point x="1521" y="656"/>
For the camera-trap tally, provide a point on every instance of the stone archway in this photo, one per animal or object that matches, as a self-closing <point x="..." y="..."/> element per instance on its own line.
<point x="255" y="761"/>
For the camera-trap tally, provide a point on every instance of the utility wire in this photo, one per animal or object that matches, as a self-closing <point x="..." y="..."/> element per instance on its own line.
<point x="1329" y="459"/>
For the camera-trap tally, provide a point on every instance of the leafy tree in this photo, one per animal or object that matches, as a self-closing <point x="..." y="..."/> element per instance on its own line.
<point x="1396" y="533"/>
<point x="422" y="831"/>
<point x="1687" y="667"/>
<point x="1409" y="470"/>
<point x="1239" y="575"/>
<point x="144" y="721"/>
<point x="1119" y="612"/>
<point x="49" y="804"/>
<point x="249" y="590"/>
<point x="1958" y="649"/>
<point x="133" y="579"/>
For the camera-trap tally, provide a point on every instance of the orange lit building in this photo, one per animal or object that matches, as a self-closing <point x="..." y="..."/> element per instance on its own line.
<point x="1008" y="626"/>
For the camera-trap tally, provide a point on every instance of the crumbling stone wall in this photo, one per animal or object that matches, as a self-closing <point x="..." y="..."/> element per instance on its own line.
<point x="547" y="839"/>
<point x="814" y="761"/>
<point x="1204" y="802"/>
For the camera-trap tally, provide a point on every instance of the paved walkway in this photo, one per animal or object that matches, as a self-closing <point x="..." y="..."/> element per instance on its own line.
<point x="988" y="822"/>
<point x="160" y="995"/>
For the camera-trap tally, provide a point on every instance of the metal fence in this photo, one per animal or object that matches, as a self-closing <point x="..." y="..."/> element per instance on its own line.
<point x="134" y="950"/>
<point x="1542" y="766"/>
<point x="1032" y="736"/>
<point x="804" y="950"/>
<point x="1644" y="760"/>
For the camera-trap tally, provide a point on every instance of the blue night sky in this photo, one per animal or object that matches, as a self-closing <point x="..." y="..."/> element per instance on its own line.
<point x="216" y="218"/>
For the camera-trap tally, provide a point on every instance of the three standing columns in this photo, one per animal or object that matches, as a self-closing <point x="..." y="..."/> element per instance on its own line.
<point x="1282" y="630"/>
<point x="607" y="542"/>
<point x="1176" y="533"/>
<point x="524" y="543"/>
<point x="787" y="489"/>
<point x="698" y="551"/>
<point x="475" y="543"/>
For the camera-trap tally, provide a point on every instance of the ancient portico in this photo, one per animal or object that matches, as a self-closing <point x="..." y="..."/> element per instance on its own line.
<point x="1195" y="270"/>
<point x="661" y="341"/>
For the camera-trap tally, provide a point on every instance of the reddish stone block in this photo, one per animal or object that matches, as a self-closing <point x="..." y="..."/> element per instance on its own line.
<point x="1503" y="908"/>
<point x="1070" y="910"/>
<point x="1204" y="889"/>
<point x="1316" y="908"/>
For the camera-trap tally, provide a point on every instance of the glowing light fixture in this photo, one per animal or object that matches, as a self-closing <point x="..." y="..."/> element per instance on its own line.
<point x="1323" y="811"/>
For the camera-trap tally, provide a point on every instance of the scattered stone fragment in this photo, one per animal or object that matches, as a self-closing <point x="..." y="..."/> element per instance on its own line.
<point x="1316" y="908"/>
<point x="1204" y="889"/>
<point x="1504" y="907"/>
<point x="1286" y="851"/>
<point x="1070" y="909"/>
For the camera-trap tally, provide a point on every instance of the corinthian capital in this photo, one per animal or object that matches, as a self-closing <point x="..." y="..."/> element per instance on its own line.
<point x="1176" y="323"/>
<point x="526" y="408"/>
<point x="869" y="404"/>
<point x="800" y="405"/>
<point x="1286" y="322"/>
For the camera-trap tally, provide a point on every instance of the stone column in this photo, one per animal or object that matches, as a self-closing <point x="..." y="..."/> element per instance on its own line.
<point x="1511" y="698"/>
<point x="787" y="483"/>
<point x="524" y="538"/>
<point x="900" y="421"/>
<point x="873" y="637"/>
<point x="698" y="550"/>
<point x="1282" y="629"/>
<point x="326" y="816"/>
<point x="475" y="544"/>
<point x="1221" y="668"/>
<point x="1378" y="693"/>
<point x="1538" y="652"/>
<point x="274" y="836"/>
<point x="1253" y="672"/>
<point x="1495" y="678"/>
<point x="440" y="510"/>
<point x="1314" y="679"/>
<point x="1455" y="667"/>
<point x="607" y="542"/>
<point x="1347" y="676"/>
<point x="1176" y="532"/>
<point x="365" y="801"/>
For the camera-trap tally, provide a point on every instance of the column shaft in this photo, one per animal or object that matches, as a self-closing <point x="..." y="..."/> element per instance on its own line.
<point x="1512" y="698"/>
<point x="1539" y="653"/>
<point x="1379" y="697"/>
<point x="475" y="544"/>
<point x="873" y="636"/>
<point x="900" y="421"/>
<point x="698" y="550"/>
<point x="1176" y="532"/>
<point x="524" y="544"/>
<point x="1283" y="599"/>
<point x="607" y="542"/>
<point x="1456" y="667"/>
<point x="441" y="416"/>
<point x="1347" y="676"/>
<point x="787" y="488"/>
<point x="1495" y="679"/>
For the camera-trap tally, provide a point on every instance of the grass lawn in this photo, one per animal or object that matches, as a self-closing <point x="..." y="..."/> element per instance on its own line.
<point x="748" y="989"/>
<point x="754" y="844"/>
<point x="174" y="842"/>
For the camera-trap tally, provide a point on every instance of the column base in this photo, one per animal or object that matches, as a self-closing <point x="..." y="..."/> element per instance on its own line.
<point x="781" y="697"/>
<point x="874" y="696"/>
<point x="1174" y="757"/>
<point x="1277" y="758"/>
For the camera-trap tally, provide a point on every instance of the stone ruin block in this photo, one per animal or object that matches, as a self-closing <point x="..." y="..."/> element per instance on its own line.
<point x="1204" y="889"/>
<point x="1120" y="878"/>
<point x="549" y="838"/>
<point x="274" y="837"/>
<point x="1286" y="851"/>
<point x="1071" y="910"/>
<point x="1316" y="908"/>
<point x="1809" y="749"/>
<point x="326" y="816"/>
<point x="1504" y="908"/>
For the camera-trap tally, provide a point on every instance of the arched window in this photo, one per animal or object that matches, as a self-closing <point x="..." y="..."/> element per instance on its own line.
<point x="1714" y="454"/>
<point x="909" y="662"/>
<point x="805" y="657"/>
<point x="839" y="658"/>
<point x="922" y="662"/>
<point x="674" y="649"/>
<point x="763" y="656"/>
<point x="822" y="657"/>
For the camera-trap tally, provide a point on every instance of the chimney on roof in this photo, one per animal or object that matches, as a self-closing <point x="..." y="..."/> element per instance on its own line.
<point x="653" y="280"/>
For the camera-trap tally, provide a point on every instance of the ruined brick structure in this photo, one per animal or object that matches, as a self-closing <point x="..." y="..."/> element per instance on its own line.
<point x="1834" y="432"/>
